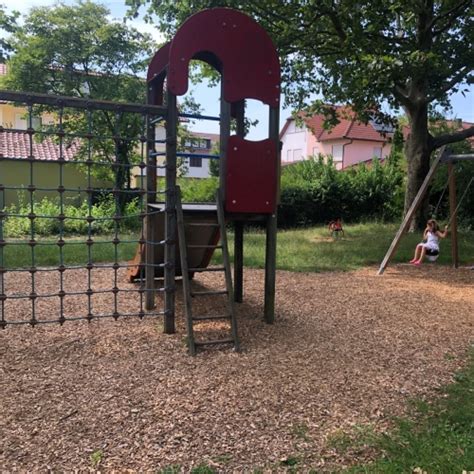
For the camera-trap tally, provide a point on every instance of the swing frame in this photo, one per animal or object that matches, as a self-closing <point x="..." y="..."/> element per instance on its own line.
<point x="443" y="157"/>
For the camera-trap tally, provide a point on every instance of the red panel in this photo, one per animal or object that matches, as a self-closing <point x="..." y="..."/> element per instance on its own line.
<point x="251" y="181"/>
<point x="236" y="45"/>
<point x="159" y="62"/>
<point x="157" y="73"/>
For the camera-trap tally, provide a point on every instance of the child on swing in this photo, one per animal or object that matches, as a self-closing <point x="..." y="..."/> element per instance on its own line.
<point x="431" y="237"/>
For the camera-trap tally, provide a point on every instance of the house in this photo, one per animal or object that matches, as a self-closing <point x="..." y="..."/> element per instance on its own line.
<point x="17" y="172"/>
<point x="350" y="142"/>
<point x="198" y="143"/>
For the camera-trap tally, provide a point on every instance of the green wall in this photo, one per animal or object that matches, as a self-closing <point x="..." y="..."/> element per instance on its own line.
<point x="45" y="175"/>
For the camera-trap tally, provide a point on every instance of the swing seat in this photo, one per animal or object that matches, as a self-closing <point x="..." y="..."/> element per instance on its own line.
<point x="432" y="255"/>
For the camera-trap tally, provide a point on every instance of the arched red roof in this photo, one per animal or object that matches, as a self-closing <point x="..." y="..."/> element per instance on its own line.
<point x="235" y="45"/>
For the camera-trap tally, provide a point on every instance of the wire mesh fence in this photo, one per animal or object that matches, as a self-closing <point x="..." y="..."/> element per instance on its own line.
<point x="73" y="183"/>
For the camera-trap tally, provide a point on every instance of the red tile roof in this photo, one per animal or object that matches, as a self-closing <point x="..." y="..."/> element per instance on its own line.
<point x="348" y="127"/>
<point x="17" y="145"/>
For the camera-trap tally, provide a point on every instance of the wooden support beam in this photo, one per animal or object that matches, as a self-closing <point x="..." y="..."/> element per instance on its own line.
<point x="270" y="269"/>
<point x="464" y="157"/>
<point x="150" y="199"/>
<point x="170" y="214"/>
<point x="411" y="212"/>
<point x="224" y="138"/>
<point x="238" y="261"/>
<point x="239" y="225"/>
<point x="271" y="241"/>
<point x="453" y="216"/>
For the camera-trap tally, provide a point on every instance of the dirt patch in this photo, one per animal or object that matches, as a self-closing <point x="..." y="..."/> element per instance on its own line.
<point x="347" y="350"/>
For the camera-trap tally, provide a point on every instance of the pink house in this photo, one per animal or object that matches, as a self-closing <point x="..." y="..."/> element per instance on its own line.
<point x="349" y="143"/>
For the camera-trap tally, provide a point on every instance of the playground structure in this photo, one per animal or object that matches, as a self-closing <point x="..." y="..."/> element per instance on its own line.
<point x="233" y="44"/>
<point x="244" y="55"/>
<point x="443" y="157"/>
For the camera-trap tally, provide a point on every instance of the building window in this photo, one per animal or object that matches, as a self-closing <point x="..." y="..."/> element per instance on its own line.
<point x="338" y="153"/>
<point x="198" y="143"/>
<point x="21" y="122"/>
<point x="297" y="154"/>
<point x="315" y="151"/>
<point x="195" y="162"/>
<point x="289" y="154"/>
<point x="377" y="152"/>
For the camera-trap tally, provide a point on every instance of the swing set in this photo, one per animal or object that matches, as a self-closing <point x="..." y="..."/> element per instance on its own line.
<point x="443" y="157"/>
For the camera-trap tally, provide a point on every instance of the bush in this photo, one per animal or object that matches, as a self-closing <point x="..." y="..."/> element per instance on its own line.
<point x="199" y="190"/>
<point x="314" y="192"/>
<point x="47" y="222"/>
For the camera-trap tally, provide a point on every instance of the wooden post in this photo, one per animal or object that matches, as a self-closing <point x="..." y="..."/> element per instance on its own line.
<point x="224" y="137"/>
<point x="150" y="234"/>
<point x="453" y="216"/>
<point x="183" y="253"/>
<point x="170" y="214"/>
<point x="238" y="261"/>
<point x="271" y="240"/>
<point x="410" y="213"/>
<point x="239" y="225"/>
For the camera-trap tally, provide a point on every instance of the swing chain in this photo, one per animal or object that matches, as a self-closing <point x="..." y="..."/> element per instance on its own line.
<point x="460" y="201"/>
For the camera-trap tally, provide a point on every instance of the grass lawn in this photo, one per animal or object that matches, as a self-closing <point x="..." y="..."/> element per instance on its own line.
<point x="299" y="250"/>
<point x="74" y="252"/>
<point x="313" y="249"/>
<point x="439" y="438"/>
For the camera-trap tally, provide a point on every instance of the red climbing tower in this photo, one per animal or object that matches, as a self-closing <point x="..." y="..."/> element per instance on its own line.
<point x="244" y="55"/>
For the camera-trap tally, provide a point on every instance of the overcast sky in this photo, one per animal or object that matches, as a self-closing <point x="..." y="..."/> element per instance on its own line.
<point x="463" y="107"/>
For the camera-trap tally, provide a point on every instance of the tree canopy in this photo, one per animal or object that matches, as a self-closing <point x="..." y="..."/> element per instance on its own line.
<point x="7" y="25"/>
<point x="409" y="54"/>
<point x="76" y="50"/>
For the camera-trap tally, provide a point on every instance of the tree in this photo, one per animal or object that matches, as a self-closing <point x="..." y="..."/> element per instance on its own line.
<point x="409" y="54"/>
<point x="77" y="51"/>
<point x="7" y="25"/>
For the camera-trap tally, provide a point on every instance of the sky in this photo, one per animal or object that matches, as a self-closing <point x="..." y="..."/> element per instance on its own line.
<point x="463" y="107"/>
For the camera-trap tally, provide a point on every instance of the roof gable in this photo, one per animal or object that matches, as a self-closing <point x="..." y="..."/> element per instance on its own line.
<point x="347" y="128"/>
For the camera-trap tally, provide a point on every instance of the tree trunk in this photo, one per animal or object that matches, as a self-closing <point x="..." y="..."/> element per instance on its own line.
<point x="417" y="151"/>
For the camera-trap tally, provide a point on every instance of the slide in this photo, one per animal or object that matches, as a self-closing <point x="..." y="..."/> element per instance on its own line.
<point x="195" y="235"/>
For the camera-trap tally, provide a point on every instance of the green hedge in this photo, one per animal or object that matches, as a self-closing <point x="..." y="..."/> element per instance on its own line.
<point x="75" y="215"/>
<point x="314" y="192"/>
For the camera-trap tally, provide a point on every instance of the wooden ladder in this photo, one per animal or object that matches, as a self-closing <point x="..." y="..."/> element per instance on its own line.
<point x="189" y="294"/>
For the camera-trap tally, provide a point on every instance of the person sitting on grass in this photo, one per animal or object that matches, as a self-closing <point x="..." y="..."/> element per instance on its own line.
<point x="430" y="243"/>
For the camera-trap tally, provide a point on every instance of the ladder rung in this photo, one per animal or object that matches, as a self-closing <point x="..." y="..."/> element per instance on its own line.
<point x="201" y="224"/>
<point x="204" y="246"/>
<point x="204" y="293"/>
<point x="203" y="269"/>
<point x="210" y="316"/>
<point x="218" y="341"/>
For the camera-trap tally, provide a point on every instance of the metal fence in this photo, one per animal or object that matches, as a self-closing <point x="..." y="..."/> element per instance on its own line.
<point x="59" y="275"/>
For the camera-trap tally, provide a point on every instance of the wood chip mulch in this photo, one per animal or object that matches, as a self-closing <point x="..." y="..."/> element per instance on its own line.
<point x="347" y="352"/>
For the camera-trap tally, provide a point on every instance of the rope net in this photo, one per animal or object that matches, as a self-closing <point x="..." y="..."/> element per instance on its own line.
<point x="73" y="206"/>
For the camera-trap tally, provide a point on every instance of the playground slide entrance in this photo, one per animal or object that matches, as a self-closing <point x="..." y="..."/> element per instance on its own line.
<point x="202" y="232"/>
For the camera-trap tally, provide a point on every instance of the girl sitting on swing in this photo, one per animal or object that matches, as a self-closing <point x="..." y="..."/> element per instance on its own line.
<point x="430" y="244"/>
